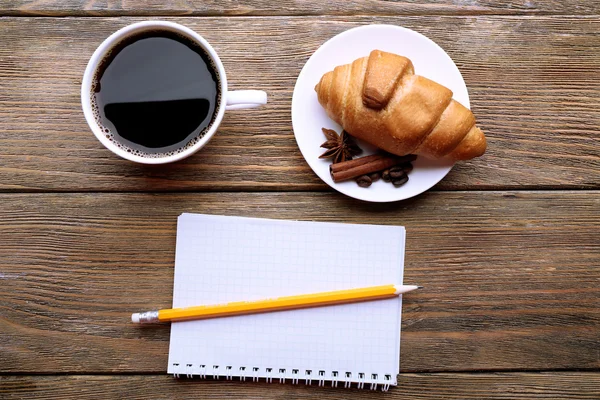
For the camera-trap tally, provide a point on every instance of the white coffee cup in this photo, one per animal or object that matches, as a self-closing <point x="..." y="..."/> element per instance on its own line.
<point x="230" y="100"/>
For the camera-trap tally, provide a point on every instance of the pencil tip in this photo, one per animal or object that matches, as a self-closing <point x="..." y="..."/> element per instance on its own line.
<point x="419" y="287"/>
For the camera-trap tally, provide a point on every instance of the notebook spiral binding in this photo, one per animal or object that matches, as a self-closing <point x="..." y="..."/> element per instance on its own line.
<point x="282" y="375"/>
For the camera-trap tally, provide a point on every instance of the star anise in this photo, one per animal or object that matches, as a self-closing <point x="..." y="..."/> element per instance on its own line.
<point x="339" y="147"/>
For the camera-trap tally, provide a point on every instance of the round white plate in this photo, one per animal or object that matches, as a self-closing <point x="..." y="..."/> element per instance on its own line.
<point x="308" y="117"/>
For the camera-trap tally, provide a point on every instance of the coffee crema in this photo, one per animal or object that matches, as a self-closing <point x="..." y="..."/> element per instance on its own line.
<point x="156" y="93"/>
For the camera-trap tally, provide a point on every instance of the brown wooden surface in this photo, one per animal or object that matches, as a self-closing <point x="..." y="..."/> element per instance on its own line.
<point x="500" y="386"/>
<point x="506" y="245"/>
<point x="504" y="289"/>
<point x="291" y="7"/>
<point x="533" y="84"/>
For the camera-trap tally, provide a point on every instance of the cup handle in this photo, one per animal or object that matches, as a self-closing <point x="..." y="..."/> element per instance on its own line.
<point x="238" y="99"/>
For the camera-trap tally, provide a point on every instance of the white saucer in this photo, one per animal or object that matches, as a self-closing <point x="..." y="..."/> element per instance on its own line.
<point x="308" y="117"/>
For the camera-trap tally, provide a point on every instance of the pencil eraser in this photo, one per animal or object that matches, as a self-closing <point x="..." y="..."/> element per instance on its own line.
<point x="135" y="318"/>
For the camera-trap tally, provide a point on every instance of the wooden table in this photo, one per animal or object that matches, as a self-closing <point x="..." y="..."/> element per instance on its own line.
<point x="507" y="245"/>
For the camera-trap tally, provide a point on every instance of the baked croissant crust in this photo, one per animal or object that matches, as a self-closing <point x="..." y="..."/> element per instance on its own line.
<point x="380" y="100"/>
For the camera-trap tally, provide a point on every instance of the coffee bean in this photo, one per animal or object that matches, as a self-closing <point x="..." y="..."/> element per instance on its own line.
<point x="400" y="181"/>
<point x="364" y="181"/>
<point x="375" y="176"/>
<point x="385" y="175"/>
<point x="407" y="167"/>
<point x="397" y="173"/>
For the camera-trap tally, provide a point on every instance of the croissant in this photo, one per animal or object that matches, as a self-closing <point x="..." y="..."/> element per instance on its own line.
<point x="380" y="100"/>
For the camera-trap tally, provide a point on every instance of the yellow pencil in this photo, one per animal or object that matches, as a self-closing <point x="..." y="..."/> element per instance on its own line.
<point x="277" y="304"/>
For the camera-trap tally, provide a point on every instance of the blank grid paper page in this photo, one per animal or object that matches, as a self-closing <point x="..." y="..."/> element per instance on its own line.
<point x="224" y="259"/>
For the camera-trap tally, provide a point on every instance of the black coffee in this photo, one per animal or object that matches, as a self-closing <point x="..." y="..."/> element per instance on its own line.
<point x="156" y="93"/>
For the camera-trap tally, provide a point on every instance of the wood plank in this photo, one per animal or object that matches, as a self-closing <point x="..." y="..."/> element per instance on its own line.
<point x="290" y="7"/>
<point x="533" y="84"/>
<point x="512" y="287"/>
<point x="556" y="385"/>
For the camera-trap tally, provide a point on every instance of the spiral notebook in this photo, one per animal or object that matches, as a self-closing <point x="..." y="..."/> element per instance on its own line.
<point x="223" y="259"/>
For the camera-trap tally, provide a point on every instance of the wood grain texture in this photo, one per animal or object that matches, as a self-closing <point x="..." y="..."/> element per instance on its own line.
<point x="500" y="386"/>
<point x="532" y="81"/>
<point x="513" y="286"/>
<point x="291" y="7"/>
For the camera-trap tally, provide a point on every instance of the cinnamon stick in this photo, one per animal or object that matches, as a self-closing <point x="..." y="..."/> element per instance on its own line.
<point x="362" y="166"/>
<point x="367" y="159"/>
<point x="341" y="166"/>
